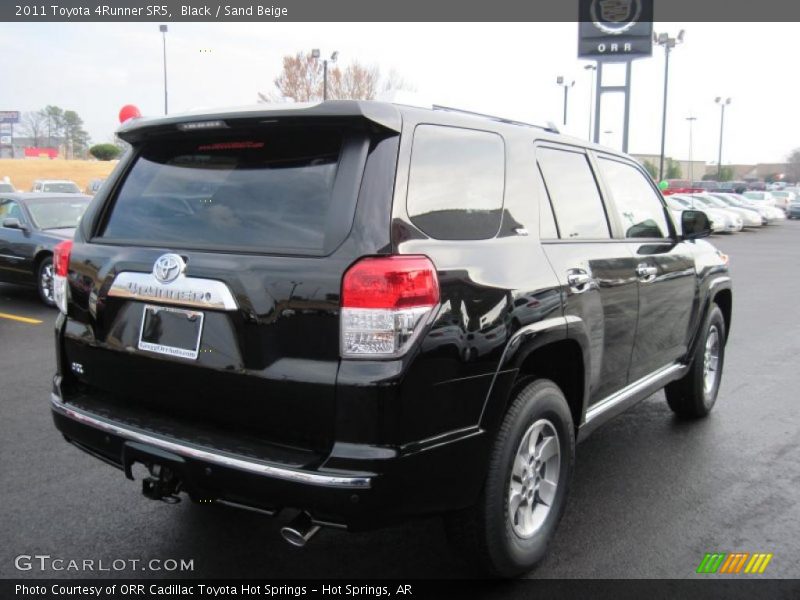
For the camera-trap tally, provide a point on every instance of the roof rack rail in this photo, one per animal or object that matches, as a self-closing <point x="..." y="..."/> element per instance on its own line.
<point x="549" y="127"/>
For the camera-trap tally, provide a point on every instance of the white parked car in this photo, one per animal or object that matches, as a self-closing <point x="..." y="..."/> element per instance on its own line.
<point x="56" y="186"/>
<point x="750" y="217"/>
<point x="783" y="199"/>
<point x="770" y="213"/>
<point x="677" y="204"/>
<point x="765" y="198"/>
<point x="730" y="219"/>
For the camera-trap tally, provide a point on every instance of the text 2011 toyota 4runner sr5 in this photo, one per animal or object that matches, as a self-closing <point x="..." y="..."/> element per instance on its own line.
<point x="365" y="312"/>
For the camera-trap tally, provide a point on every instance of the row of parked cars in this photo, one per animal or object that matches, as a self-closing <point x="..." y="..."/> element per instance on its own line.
<point x="56" y="186"/>
<point x="730" y="212"/>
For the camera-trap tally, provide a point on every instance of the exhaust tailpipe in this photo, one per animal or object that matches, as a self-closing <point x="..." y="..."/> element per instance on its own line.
<point x="300" y="530"/>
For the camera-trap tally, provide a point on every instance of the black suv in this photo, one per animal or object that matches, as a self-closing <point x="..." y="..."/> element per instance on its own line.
<point x="365" y="312"/>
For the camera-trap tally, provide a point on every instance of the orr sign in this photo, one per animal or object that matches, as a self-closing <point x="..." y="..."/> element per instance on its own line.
<point x="615" y="30"/>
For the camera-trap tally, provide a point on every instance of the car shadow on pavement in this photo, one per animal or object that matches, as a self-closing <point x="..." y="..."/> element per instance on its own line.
<point x="228" y="542"/>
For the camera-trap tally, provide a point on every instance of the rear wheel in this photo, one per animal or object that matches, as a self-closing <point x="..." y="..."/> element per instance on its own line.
<point x="695" y="394"/>
<point x="508" y="530"/>
<point x="44" y="281"/>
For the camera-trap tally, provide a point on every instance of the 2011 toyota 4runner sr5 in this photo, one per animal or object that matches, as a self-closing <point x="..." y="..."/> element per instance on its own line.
<point x="365" y="312"/>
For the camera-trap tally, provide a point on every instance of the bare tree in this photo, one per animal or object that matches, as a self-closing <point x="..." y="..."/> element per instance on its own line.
<point x="356" y="82"/>
<point x="301" y="80"/>
<point x="34" y="125"/>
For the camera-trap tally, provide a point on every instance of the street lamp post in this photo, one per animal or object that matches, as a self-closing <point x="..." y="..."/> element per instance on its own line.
<point x="560" y="81"/>
<point x="315" y="53"/>
<point x="663" y="39"/>
<point x="691" y="164"/>
<point x="163" y="29"/>
<point x="592" y="69"/>
<point x="722" y="104"/>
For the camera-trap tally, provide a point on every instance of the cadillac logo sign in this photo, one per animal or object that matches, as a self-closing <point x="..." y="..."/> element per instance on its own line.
<point x="615" y="17"/>
<point x="615" y="30"/>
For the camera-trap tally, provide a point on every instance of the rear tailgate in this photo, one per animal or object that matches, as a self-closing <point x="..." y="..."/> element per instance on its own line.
<point x="248" y="227"/>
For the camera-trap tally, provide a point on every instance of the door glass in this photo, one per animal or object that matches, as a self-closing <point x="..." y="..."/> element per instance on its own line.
<point x="574" y="195"/>
<point x="10" y="210"/>
<point x="639" y="208"/>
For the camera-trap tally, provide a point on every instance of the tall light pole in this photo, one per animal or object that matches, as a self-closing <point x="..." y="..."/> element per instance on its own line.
<point x="163" y="29"/>
<point x="315" y="53"/>
<point x="691" y="164"/>
<point x="560" y="81"/>
<point x="663" y="39"/>
<point x="722" y="104"/>
<point x="592" y="69"/>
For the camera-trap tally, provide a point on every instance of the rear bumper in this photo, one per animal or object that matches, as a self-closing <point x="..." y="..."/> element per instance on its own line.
<point x="356" y="487"/>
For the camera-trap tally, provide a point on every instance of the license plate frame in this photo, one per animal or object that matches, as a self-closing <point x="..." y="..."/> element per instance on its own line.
<point x="168" y="349"/>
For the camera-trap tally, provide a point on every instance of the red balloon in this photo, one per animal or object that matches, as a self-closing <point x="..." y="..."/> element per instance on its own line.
<point x="129" y="111"/>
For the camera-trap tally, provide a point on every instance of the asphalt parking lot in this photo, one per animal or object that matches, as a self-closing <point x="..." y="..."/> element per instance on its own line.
<point x="651" y="494"/>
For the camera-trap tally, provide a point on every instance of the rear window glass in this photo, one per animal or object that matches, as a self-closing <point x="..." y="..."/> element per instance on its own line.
<point x="268" y="192"/>
<point x="456" y="182"/>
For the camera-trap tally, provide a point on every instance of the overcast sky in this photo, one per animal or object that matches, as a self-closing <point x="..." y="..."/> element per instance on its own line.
<point x="507" y="69"/>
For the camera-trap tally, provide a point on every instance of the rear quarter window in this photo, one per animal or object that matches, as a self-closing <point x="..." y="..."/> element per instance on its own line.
<point x="456" y="182"/>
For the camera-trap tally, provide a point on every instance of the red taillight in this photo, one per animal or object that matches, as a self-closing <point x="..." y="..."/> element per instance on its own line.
<point x="386" y="303"/>
<point x="61" y="257"/>
<point x="391" y="282"/>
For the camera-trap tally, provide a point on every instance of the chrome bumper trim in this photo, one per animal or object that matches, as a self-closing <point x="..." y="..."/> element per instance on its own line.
<point x="250" y="466"/>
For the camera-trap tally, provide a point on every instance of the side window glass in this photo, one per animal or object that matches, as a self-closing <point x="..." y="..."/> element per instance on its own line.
<point x="637" y="204"/>
<point x="10" y="210"/>
<point x="576" y="201"/>
<point x="456" y="182"/>
<point x="547" y="222"/>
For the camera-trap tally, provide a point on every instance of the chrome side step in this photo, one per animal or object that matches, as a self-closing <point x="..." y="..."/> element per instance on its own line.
<point x="618" y="401"/>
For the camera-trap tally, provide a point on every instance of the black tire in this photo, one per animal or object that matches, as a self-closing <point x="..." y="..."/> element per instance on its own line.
<point x="42" y="280"/>
<point x="484" y="533"/>
<point x="689" y="397"/>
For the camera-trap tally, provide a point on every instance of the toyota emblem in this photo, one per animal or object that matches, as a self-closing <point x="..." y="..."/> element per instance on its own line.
<point x="168" y="267"/>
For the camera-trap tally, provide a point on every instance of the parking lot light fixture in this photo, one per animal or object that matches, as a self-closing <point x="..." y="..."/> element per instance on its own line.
<point x="722" y="104"/>
<point x="591" y="69"/>
<point x="315" y="53"/>
<point x="664" y="39"/>
<point x="691" y="121"/>
<point x="563" y="83"/>
<point x="163" y="29"/>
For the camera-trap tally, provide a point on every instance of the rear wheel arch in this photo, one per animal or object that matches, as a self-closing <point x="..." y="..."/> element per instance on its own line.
<point x="39" y="257"/>
<point x="724" y="299"/>
<point x="562" y="362"/>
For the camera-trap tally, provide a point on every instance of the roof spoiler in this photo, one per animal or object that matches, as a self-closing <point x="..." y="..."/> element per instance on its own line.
<point x="381" y="114"/>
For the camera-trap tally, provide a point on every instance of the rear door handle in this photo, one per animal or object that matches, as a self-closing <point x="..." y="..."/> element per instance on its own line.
<point x="578" y="280"/>
<point x="646" y="272"/>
